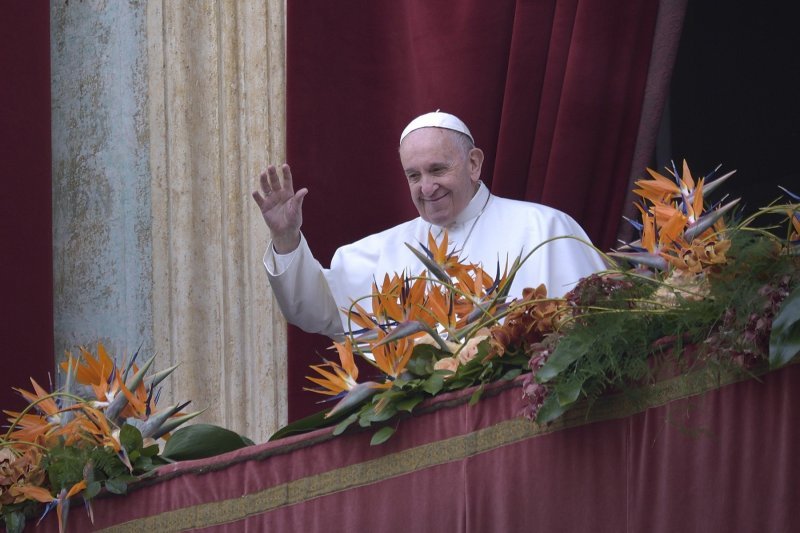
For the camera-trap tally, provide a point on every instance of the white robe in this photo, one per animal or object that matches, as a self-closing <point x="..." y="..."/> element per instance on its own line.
<point x="488" y="230"/>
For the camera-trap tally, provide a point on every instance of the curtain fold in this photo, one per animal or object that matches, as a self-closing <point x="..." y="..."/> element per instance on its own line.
<point x="552" y="92"/>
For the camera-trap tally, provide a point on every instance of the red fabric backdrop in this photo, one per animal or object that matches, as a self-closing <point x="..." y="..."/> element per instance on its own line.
<point x="552" y="92"/>
<point x="26" y="264"/>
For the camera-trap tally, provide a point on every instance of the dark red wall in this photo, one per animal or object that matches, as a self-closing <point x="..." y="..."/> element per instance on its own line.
<point x="26" y="257"/>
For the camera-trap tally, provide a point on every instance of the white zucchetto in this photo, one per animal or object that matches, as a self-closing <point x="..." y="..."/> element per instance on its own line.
<point x="437" y="119"/>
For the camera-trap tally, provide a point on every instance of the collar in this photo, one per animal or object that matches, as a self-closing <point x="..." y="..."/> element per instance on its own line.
<point x="475" y="206"/>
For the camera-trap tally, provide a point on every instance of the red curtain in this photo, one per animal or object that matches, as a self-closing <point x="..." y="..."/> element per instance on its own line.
<point x="26" y="259"/>
<point x="551" y="90"/>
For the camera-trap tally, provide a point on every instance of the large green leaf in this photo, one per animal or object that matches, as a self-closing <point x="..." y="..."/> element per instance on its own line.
<point x="344" y="424"/>
<point x="200" y="441"/>
<point x="15" y="522"/>
<point x="382" y="435"/>
<point x="310" y="423"/>
<point x="434" y="384"/>
<point x="116" y="486"/>
<point x="476" y="395"/>
<point x="130" y="438"/>
<point x="784" y="341"/>
<point x="550" y="410"/>
<point x="408" y="403"/>
<point x="569" y="350"/>
<point x="569" y="392"/>
<point x="423" y="359"/>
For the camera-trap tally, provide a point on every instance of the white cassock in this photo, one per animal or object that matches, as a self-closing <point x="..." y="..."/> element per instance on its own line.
<point x="488" y="230"/>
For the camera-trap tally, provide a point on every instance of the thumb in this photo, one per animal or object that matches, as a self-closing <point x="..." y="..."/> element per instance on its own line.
<point x="299" y="196"/>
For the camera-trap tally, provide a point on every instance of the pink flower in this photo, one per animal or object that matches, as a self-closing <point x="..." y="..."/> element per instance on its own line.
<point x="448" y="363"/>
<point x="470" y="349"/>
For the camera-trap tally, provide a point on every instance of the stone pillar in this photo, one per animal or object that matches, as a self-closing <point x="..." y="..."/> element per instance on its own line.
<point x="164" y="114"/>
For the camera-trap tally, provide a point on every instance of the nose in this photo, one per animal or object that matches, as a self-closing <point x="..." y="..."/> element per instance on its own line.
<point x="428" y="185"/>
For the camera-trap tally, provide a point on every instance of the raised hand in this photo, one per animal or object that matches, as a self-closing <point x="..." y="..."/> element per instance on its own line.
<point x="281" y="207"/>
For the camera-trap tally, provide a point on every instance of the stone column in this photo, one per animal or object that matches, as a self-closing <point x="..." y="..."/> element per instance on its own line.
<point x="164" y="114"/>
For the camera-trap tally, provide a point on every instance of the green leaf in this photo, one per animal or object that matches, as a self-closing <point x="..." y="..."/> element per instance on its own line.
<point x="511" y="374"/>
<point x="64" y="465"/>
<point x="382" y="435"/>
<point x="130" y="438"/>
<point x="200" y="441"/>
<point x="476" y="395"/>
<point x="150" y="451"/>
<point x="408" y="404"/>
<point x="344" y="424"/>
<point x="92" y="489"/>
<point x="569" y="350"/>
<point x="434" y="384"/>
<point x="387" y="412"/>
<point x="550" y="410"/>
<point x="143" y="464"/>
<point x="309" y="423"/>
<point x="116" y="486"/>
<point x="569" y="392"/>
<point x="422" y="360"/>
<point x="15" y="522"/>
<point x="784" y="341"/>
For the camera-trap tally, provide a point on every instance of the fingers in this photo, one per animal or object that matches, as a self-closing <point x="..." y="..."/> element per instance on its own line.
<point x="259" y="199"/>
<point x="287" y="178"/>
<point x="271" y="182"/>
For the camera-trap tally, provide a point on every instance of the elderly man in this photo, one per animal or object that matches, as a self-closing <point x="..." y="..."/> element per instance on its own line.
<point x="443" y="168"/>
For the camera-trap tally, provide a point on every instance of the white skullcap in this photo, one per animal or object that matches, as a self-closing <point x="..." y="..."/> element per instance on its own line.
<point x="437" y="119"/>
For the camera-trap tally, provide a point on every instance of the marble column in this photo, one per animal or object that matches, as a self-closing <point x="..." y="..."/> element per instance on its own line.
<point x="163" y="115"/>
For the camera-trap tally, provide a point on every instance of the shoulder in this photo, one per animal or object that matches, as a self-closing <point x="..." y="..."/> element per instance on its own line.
<point x="374" y="243"/>
<point x="539" y="214"/>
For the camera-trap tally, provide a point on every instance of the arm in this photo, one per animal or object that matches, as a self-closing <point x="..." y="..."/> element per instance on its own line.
<point x="297" y="279"/>
<point x="302" y="291"/>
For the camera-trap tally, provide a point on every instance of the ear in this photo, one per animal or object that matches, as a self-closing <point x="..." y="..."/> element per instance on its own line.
<point x="475" y="161"/>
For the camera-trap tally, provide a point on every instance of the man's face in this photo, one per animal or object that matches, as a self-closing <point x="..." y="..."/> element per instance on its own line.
<point x="442" y="175"/>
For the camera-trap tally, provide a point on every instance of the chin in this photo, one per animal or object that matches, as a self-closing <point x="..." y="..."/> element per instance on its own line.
<point x="439" y="221"/>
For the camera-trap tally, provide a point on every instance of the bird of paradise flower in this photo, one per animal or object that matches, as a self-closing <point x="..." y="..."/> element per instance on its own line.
<point x="444" y="301"/>
<point x="63" y="419"/>
<point x="676" y="230"/>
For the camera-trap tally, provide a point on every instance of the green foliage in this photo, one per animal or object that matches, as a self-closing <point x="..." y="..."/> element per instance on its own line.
<point x="784" y="344"/>
<point x="100" y="467"/>
<point x="14" y="521"/>
<point x="616" y="345"/>
<point x="317" y="420"/>
<point x="382" y="435"/>
<point x="15" y="515"/>
<point x="200" y="441"/>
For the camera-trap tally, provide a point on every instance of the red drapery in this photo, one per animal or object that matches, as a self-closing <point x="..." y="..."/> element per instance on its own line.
<point x="26" y="258"/>
<point x="552" y="91"/>
<point x="724" y="460"/>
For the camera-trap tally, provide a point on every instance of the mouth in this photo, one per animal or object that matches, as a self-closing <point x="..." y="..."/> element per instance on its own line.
<point x="434" y="199"/>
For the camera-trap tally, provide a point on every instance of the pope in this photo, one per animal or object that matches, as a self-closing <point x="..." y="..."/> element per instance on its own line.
<point x="443" y="167"/>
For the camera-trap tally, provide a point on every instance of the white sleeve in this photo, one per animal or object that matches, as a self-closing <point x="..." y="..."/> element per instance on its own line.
<point x="302" y="292"/>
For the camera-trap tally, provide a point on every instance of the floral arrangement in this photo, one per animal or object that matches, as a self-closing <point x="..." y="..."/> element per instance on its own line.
<point x="65" y="444"/>
<point x="729" y="291"/>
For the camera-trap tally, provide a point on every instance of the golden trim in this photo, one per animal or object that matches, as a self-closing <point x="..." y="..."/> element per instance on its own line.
<point x="430" y="455"/>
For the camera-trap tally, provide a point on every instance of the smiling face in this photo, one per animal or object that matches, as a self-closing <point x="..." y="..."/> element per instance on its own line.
<point x="442" y="171"/>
